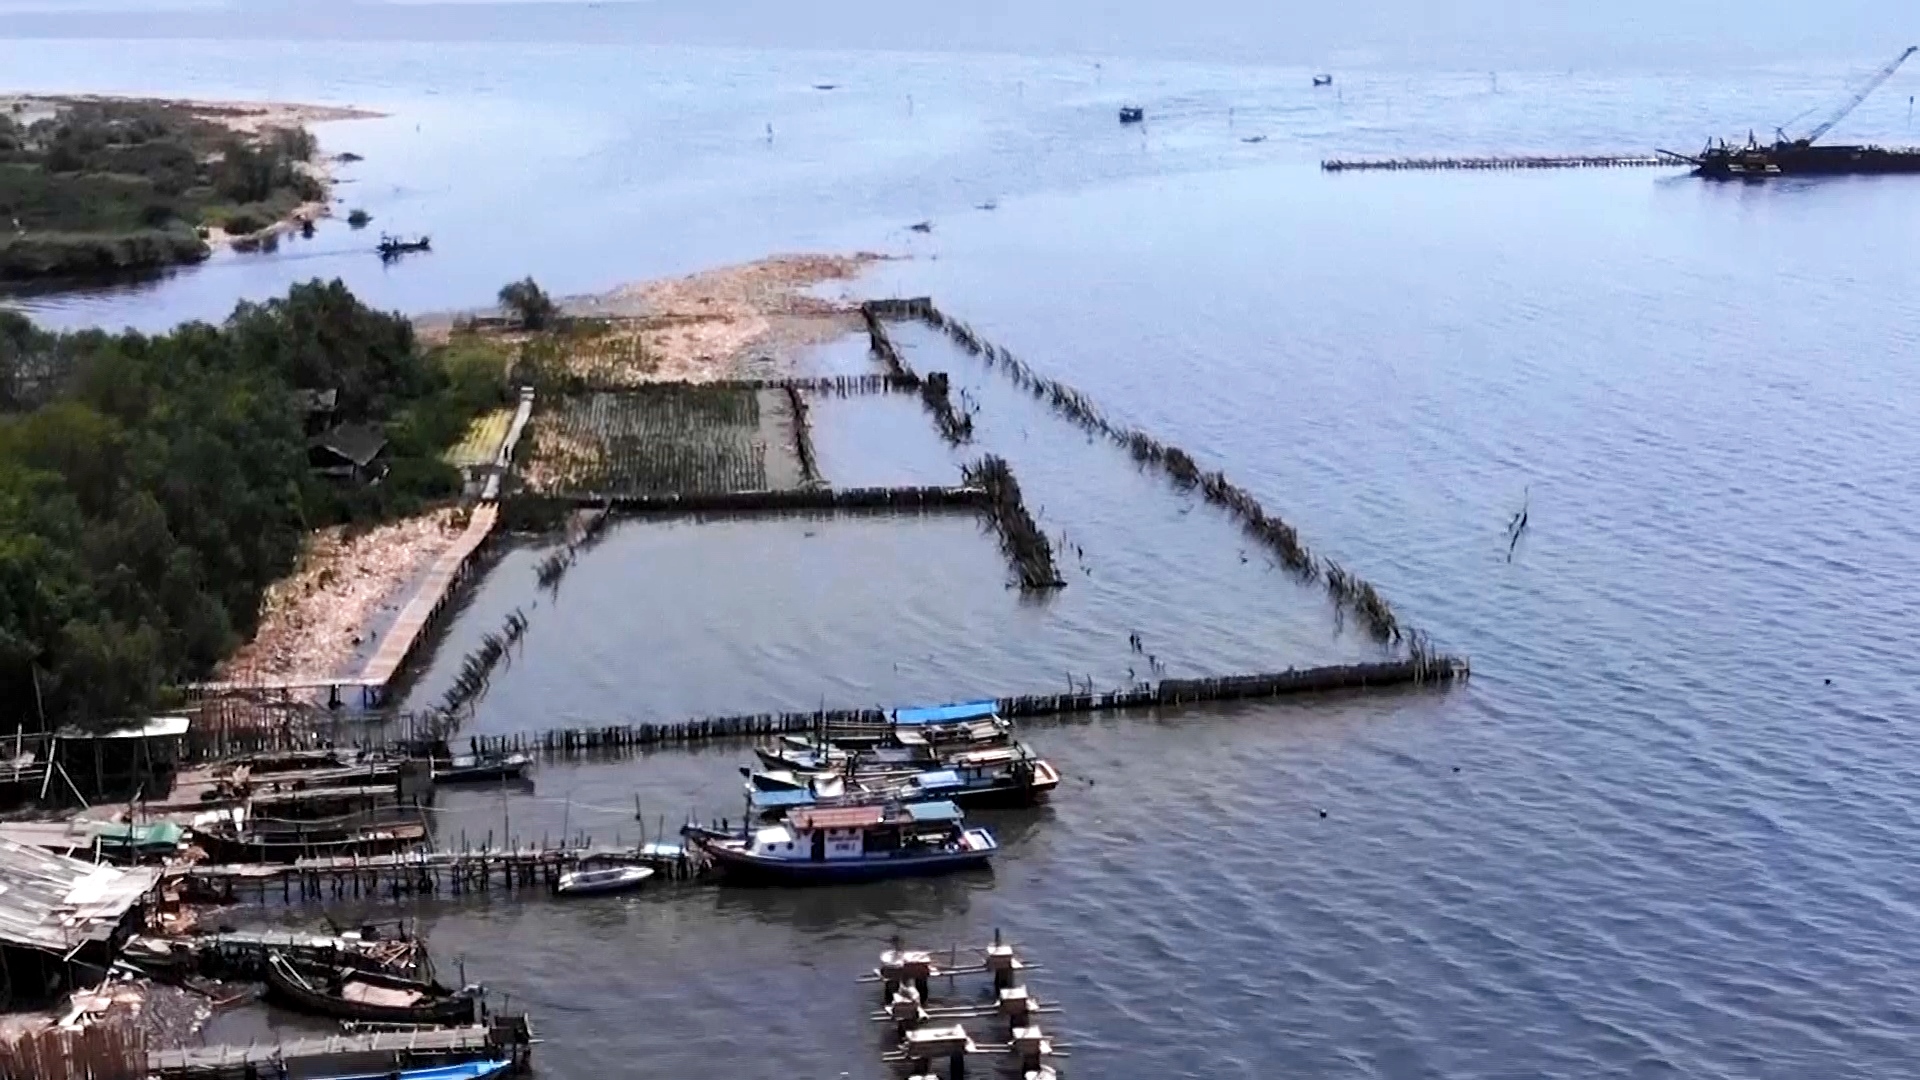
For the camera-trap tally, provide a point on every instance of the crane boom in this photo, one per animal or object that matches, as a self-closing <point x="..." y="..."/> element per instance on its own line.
<point x="1861" y="95"/>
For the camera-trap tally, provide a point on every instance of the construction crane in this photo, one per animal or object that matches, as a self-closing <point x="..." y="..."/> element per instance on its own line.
<point x="1859" y="96"/>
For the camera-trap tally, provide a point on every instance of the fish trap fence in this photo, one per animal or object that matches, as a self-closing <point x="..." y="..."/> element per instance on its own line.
<point x="1549" y="161"/>
<point x="615" y="739"/>
<point x="1349" y="593"/>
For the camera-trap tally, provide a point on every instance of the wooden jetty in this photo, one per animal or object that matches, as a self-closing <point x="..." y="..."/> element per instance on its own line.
<point x="503" y="1038"/>
<point x="1552" y="161"/>
<point x="427" y="872"/>
<point x="613" y="739"/>
<point x="423" y="610"/>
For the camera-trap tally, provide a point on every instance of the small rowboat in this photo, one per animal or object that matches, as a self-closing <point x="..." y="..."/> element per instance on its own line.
<point x="610" y="879"/>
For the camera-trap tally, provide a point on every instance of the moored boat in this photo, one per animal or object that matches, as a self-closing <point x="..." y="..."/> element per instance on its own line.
<point x="480" y="768"/>
<point x="466" y="1070"/>
<point x="367" y="996"/>
<point x="248" y="845"/>
<point x="822" y="845"/>
<point x="609" y="879"/>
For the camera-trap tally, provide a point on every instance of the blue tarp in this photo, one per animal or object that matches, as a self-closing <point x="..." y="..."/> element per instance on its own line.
<point x="946" y="714"/>
<point x="943" y="778"/>
<point x="795" y="797"/>
<point x="933" y="811"/>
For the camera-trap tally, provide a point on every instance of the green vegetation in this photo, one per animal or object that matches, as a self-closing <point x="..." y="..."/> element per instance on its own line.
<point x="104" y="186"/>
<point x="152" y="487"/>
<point x="529" y="303"/>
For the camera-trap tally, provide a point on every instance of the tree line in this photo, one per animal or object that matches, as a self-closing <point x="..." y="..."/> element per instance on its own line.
<point x="153" y="486"/>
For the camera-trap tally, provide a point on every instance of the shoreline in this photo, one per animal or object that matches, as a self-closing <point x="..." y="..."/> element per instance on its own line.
<point x="324" y="618"/>
<point x="247" y="119"/>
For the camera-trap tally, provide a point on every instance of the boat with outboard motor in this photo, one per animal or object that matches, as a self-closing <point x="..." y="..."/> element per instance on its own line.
<point x="838" y="844"/>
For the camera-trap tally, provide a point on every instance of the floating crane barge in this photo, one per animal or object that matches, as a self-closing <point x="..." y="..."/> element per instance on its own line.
<point x="1787" y="156"/>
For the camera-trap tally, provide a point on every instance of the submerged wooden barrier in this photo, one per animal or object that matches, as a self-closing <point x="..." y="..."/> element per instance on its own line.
<point x="803" y="437"/>
<point x="788" y="500"/>
<point x="1347" y="591"/>
<point x="1428" y="670"/>
<point x="842" y="385"/>
<point x="883" y="347"/>
<point x="1020" y="537"/>
<point x="1551" y="161"/>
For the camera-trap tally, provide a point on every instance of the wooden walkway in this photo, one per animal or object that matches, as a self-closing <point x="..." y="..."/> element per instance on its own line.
<point x="429" y="598"/>
<point x="412" y="623"/>
<point x="426" y="872"/>
<point x="507" y="1038"/>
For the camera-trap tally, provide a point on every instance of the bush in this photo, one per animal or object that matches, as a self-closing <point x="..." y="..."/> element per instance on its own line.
<point x="529" y="303"/>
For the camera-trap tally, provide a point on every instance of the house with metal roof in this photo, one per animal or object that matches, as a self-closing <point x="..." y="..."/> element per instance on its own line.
<point x="348" y="452"/>
<point x="62" y="921"/>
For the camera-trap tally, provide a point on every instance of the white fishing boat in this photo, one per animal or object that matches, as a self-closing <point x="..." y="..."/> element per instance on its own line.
<point x="609" y="879"/>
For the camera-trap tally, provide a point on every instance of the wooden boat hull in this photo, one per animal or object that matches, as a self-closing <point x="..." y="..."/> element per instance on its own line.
<point x="448" y="1010"/>
<point x="227" y="848"/>
<point x="481" y="774"/>
<point x="740" y="867"/>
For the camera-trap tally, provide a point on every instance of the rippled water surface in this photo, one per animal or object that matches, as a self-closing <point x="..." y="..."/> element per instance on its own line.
<point x="1665" y="830"/>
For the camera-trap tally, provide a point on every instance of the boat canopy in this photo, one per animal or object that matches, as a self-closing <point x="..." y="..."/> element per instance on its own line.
<point x="840" y="817"/>
<point x="946" y="714"/>
<point x="786" y="798"/>
<point x="945" y="778"/>
<point x="933" y="811"/>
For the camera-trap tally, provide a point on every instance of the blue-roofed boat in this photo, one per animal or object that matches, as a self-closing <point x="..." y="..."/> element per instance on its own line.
<point x="959" y="713"/>
<point x="839" y="844"/>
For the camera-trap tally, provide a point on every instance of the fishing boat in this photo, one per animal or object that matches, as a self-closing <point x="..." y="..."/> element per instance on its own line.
<point x="1132" y="114"/>
<point x="610" y="879"/>
<point x="225" y="844"/>
<point x="1323" y="80"/>
<point x="392" y="247"/>
<point x="480" y="768"/>
<point x="823" y="845"/>
<point x="996" y="776"/>
<point x="914" y="737"/>
<point x="368" y="996"/>
<point x="466" y="1070"/>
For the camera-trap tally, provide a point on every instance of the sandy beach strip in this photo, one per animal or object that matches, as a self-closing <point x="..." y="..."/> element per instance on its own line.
<point x="319" y="622"/>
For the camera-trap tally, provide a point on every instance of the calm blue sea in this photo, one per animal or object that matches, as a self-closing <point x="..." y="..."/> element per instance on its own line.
<point x="1665" y="830"/>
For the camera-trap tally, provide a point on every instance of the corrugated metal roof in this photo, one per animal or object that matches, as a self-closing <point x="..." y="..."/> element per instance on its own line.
<point x="946" y="714"/>
<point x="55" y="903"/>
<point x="157" y="727"/>
<point x="933" y="811"/>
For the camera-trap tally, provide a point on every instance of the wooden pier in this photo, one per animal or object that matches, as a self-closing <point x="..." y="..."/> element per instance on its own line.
<point x="426" y="872"/>
<point x="1554" y="161"/>
<point x="504" y="1038"/>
